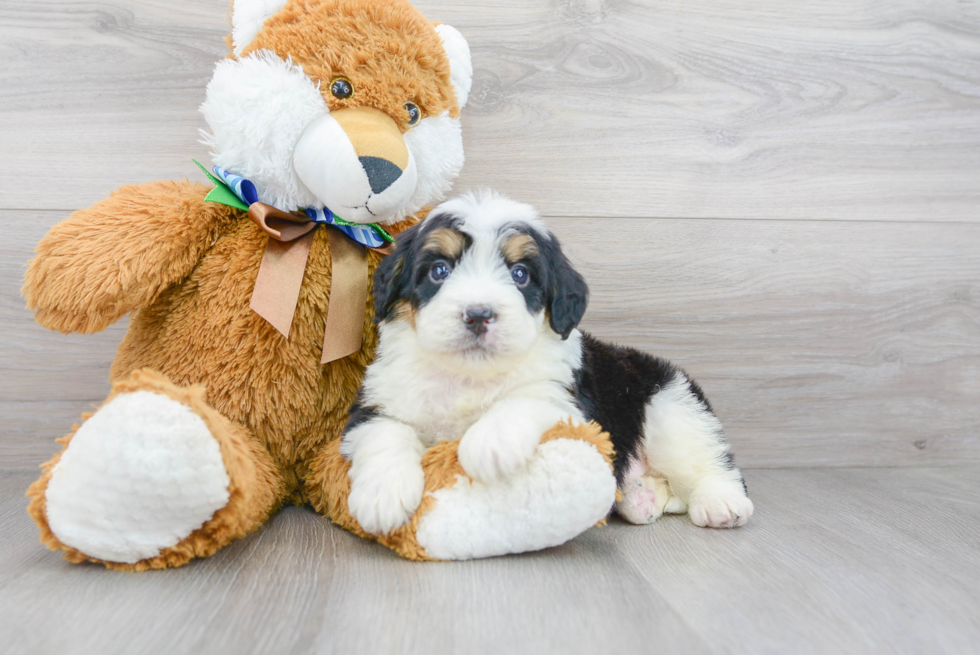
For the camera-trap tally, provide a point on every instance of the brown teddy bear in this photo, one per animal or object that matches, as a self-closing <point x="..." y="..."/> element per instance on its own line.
<point x="251" y="324"/>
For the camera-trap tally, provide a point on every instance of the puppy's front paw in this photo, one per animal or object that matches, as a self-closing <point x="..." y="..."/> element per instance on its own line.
<point x="385" y="498"/>
<point x="719" y="504"/>
<point x="495" y="448"/>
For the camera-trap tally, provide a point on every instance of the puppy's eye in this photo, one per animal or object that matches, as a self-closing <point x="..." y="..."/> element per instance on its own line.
<point x="520" y="274"/>
<point x="439" y="271"/>
<point x="414" y="113"/>
<point x="341" y="88"/>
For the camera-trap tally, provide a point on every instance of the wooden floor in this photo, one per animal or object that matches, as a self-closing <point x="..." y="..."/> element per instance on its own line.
<point x="835" y="561"/>
<point x="782" y="197"/>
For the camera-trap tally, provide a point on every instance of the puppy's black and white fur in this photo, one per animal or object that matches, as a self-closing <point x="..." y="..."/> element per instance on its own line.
<point x="478" y="309"/>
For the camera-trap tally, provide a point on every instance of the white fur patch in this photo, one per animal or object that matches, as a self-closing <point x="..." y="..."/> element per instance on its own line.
<point x="247" y="19"/>
<point x="482" y="277"/>
<point x="270" y="124"/>
<point x="720" y="503"/>
<point x="436" y="144"/>
<point x="139" y="476"/>
<point x="258" y="108"/>
<point x="460" y="64"/>
<point x="684" y="442"/>
<point x="504" y="439"/>
<point x="485" y="211"/>
<point x="414" y="386"/>
<point x="567" y="488"/>
<point x="326" y="162"/>
<point x="386" y="474"/>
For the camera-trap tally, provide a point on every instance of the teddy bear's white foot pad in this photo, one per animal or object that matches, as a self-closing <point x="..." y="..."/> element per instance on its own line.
<point x="567" y="488"/>
<point x="139" y="476"/>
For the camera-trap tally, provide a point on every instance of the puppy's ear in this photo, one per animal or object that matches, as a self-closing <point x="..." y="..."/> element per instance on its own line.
<point x="393" y="278"/>
<point x="568" y="294"/>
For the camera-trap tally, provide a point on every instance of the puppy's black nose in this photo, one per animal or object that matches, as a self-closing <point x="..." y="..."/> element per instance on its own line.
<point x="477" y="317"/>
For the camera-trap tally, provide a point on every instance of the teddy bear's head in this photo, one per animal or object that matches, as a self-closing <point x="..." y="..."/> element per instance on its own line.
<point x="351" y="105"/>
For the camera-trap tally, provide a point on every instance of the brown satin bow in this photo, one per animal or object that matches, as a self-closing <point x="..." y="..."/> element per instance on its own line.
<point x="281" y="273"/>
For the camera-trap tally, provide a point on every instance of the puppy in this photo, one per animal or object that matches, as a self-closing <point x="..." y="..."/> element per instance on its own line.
<point x="478" y="309"/>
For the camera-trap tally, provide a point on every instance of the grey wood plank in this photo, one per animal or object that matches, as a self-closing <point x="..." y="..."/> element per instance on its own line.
<point x="819" y="343"/>
<point x="845" y="561"/>
<point x="31" y="426"/>
<point x="115" y="84"/>
<point x="301" y="585"/>
<point x="867" y="559"/>
<point x="833" y="110"/>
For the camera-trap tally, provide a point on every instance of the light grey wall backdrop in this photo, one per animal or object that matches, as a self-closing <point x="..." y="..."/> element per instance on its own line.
<point x="782" y="198"/>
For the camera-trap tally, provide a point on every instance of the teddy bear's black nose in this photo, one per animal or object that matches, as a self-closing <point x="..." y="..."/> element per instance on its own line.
<point x="381" y="173"/>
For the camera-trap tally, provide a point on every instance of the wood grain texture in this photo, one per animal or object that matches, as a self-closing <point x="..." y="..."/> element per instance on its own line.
<point x="830" y="110"/>
<point x="819" y="343"/>
<point x="838" y="561"/>
<point x="834" y="561"/>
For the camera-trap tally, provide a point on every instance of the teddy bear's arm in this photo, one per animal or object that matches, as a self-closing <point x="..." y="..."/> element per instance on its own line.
<point x="119" y="254"/>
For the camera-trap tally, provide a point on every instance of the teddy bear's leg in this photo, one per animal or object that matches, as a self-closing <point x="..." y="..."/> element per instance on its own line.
<point x="154" y="478"/>
<point x="567" y="487"/>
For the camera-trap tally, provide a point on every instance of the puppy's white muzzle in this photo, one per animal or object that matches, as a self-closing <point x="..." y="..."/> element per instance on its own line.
<point x="356" y="163"/>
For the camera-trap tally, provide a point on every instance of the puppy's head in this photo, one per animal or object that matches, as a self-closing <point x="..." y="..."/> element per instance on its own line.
<point x="480" y="279"/>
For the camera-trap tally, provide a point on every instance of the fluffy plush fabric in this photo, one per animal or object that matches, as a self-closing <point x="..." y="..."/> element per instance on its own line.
<point x="436" y="145"/>
<point x="118" y="255"/>
<point x="129" y="252"/>
<point x="254" y="485"/>
<point x="247" y="18"/>
<point x="472" y="519"/>
<point x="203" y="330"/>
<point x="258" y="108"/>
<point x="464" y="527"/>
<point x="197" y="363"/>
<point x="173" y="479"/>
<point x="388" y="51"/>
<point x="458" y="51"/>
<point x="270" y="108"/>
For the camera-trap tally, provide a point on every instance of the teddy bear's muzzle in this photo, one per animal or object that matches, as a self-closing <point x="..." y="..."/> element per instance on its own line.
<point x="356" y="162"/>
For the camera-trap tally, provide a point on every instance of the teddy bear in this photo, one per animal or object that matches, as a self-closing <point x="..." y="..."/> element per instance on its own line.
<point x="333" y="124"/>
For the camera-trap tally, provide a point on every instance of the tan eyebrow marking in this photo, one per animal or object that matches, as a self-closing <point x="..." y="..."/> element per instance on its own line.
<point x="405" y="312"/>
<point x="518" y="247"/>
<point x="446" y="242"/>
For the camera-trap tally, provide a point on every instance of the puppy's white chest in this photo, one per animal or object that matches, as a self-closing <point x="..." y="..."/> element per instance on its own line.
<point x="458" y="408"/>
<point x="467" y="404"/>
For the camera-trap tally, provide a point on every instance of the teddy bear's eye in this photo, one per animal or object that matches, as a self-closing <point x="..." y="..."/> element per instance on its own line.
<point x="341" y="88"/>
<point x="414" y="113"/>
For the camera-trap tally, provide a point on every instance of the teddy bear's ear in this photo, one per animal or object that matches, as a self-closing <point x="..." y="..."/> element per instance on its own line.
<point x="461" y="69"/>
<point x="247" y="18"/>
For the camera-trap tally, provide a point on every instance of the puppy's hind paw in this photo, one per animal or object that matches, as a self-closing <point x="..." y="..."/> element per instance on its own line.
<point x="644" y="499"/>
<point x="719" y="505"/>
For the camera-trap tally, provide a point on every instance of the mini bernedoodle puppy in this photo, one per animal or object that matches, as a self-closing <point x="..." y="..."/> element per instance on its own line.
<point x="478" y="309"/>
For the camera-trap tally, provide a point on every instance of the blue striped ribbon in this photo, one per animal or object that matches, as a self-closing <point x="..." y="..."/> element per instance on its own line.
<point x="366" y="235"/>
